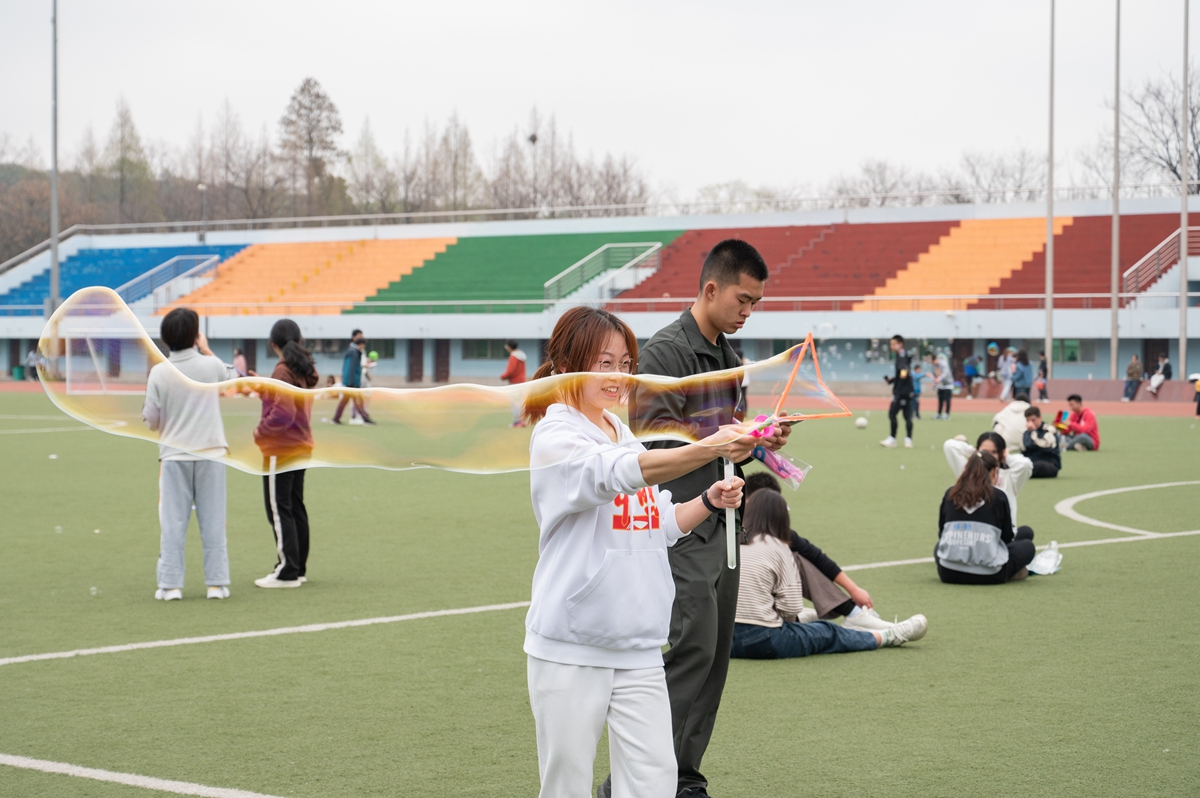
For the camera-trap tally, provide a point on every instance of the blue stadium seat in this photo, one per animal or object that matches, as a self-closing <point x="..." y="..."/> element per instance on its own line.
<point x="106" y="267"/>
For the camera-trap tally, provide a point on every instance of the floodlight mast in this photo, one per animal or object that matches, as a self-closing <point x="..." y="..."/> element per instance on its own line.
<point x="1184" y="143"/>
<point x="1050" y="217"/>
<point x="1115" y="340"/>
<point x="53" y="302"/>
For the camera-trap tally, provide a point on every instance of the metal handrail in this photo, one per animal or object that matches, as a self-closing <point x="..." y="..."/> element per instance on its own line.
<point x="1159" y="260"/>
<point x="164" y="273"/>
<point x="636" y="263"/>
<point x="574" y="276"/>
<point x="754" y="205"/>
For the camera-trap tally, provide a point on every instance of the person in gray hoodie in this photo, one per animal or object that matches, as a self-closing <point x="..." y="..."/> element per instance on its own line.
<point x="602" y="590"/>
<point x="191" y="439"/>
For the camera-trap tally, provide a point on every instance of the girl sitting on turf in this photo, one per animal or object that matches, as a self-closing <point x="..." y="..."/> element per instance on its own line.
<point x="770" y="596"/>
<point x="285" y="437"/>
<point x="602" y="590"/>
<point x="976" y="543"/>
<point x="1013" y="471"/>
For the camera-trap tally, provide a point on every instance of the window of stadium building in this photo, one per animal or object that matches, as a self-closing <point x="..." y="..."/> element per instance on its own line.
<point x="1072" y="350"/>
<point x="483" y="350"/>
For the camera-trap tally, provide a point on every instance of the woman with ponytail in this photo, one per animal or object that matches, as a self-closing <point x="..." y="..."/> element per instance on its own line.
<point x="976" y="542"/>
<point x="284" y="435"/>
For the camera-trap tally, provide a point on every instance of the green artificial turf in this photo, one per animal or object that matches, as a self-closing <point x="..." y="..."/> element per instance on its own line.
<point x="1082" y="683"/>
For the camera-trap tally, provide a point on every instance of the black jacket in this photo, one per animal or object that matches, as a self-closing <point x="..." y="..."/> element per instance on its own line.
<point x="814" y="555"/>
<point x="679" y="350"/>
<point x="902" y="382"/>
<point x="1042" y="445"/>
<point x="995" y="511"/>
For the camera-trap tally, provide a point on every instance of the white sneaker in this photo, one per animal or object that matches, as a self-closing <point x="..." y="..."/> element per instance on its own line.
<point x="270" y="581"/>
<point x="867" y="621"/>
<point x="888" y="443"/>
<point x="356" y="421"/>
<point x="906" y="631"/>
<point x="168" y="594"/>
<point x="218" y="592"/>
<point x="301" y="579"/>
<point x="908" y="443"/>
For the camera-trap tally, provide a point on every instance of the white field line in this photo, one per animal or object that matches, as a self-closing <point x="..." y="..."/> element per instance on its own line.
<point x="46" y="429"/>
<point x="130" y="779"/>
<point x="284" y="630"/>
<point x="1067" y="506"/>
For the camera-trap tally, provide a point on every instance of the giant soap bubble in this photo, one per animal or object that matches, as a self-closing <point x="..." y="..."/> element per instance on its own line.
<point x="97" y="357"/>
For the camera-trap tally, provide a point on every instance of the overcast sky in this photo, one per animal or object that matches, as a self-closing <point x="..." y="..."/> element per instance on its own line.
<point x="775" y="93"/>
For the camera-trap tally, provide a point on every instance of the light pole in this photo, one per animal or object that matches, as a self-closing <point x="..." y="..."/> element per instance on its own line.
<point x="53" y="302"/>
<point x="1050" y="217"/>
<point x="1184" y="143"/>
<point x="1114" y="340"/>
<point x="203" y="189"/>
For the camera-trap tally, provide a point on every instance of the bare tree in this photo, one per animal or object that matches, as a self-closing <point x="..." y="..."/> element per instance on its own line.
<point x="308" y="131"/>
<point x="1150" y="128"/>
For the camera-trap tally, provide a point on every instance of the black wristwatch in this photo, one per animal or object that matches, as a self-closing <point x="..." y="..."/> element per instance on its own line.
<point x="707" y="503"/>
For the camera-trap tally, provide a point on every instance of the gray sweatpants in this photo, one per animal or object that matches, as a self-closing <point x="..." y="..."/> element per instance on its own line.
<point x="182" y="484"/>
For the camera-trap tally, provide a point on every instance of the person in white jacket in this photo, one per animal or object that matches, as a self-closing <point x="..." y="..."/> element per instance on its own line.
<point x="602" y="589"/>
<point x="1014" y="471"/>
<point x="1010" y="422"/>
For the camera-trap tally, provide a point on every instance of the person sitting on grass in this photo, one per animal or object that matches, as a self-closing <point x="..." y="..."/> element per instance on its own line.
<point x="1041" y="445"/>
<point x="1083" y="433"/>
<point x="821" y="576"/>
<point x="190" y="438"/>
<point x="1013" y="472"/>
<point x="770" y="596"/>
<point x="1010" y="422"/>
<point x="976" y="541"/>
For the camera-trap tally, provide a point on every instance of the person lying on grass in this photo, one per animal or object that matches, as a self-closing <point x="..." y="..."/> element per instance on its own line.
<point x="976" y="542"/>
<point x="770" y="596"/>
<point x="821" y="577"/>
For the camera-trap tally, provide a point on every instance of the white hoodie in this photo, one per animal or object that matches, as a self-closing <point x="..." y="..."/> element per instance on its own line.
<point x="1012" y="479"/>
<point x="602" y="589"/>
<point x="1010" y="423"/>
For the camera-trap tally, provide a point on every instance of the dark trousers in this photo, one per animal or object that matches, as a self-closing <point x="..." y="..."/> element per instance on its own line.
<point x="1020" y="554"/>
<point x="701" y="639"/>
<point x="944" y="395"/>
<point x="284" y="497"/>
<point x="1131" y="387"/>
<point x="916" y="405"/>
<point x="1043" y="395"/>
<point x="358" y="405"/>
<point x="901" y="404"/>
<point x="1043" y="469"/>
<point x="798" y="640"/>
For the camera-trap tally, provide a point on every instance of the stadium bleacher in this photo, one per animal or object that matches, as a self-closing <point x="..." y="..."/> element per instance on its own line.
<point x="497" y="267"/>
<point x="345" y="272"/>
<point x="1082" y="258"/>
<point x="105" y="267"/>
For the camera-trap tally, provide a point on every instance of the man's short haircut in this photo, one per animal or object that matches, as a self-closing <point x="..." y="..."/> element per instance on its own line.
<point x="1075" y="398"/>
<point x="354" y="334"/>
<point x="898" y="339"/>
<point x="1021" y="397"/>
<point x="729" y="260"/>
<point x="511" y="344"/>
<point x="761" y="480"/>
<point x="179" y="329"/>
<point x="1033" y="412"/>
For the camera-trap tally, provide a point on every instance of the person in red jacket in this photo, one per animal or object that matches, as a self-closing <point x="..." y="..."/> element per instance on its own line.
<point x="1083" y="434"/>
<point x="514" y="374"/>
<point x="284" y="435"/>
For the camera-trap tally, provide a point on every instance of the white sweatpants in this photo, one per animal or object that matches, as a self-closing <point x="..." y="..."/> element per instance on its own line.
<point x="571" y="704"/>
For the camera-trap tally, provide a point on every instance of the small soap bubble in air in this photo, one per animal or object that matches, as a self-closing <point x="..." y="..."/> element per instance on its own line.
<point x="901" y="468"/>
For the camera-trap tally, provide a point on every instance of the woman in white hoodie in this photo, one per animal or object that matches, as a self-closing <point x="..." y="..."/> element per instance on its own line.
<point x="602" y="589"/>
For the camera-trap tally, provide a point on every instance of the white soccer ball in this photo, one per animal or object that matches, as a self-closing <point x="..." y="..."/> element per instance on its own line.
<point x="860" y="422"/>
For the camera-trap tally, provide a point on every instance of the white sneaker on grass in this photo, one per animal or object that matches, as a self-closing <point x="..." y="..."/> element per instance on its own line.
<point x="908" y="443"/>
<point x="168" y="594"/>
<point x="301" y="579"/>
<point x="906" y="631"/>
<point x="867" y="621"/>
<point x="271" y="581"/>
<point x="888" y="443"/>
<point x="218" y="592"/>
